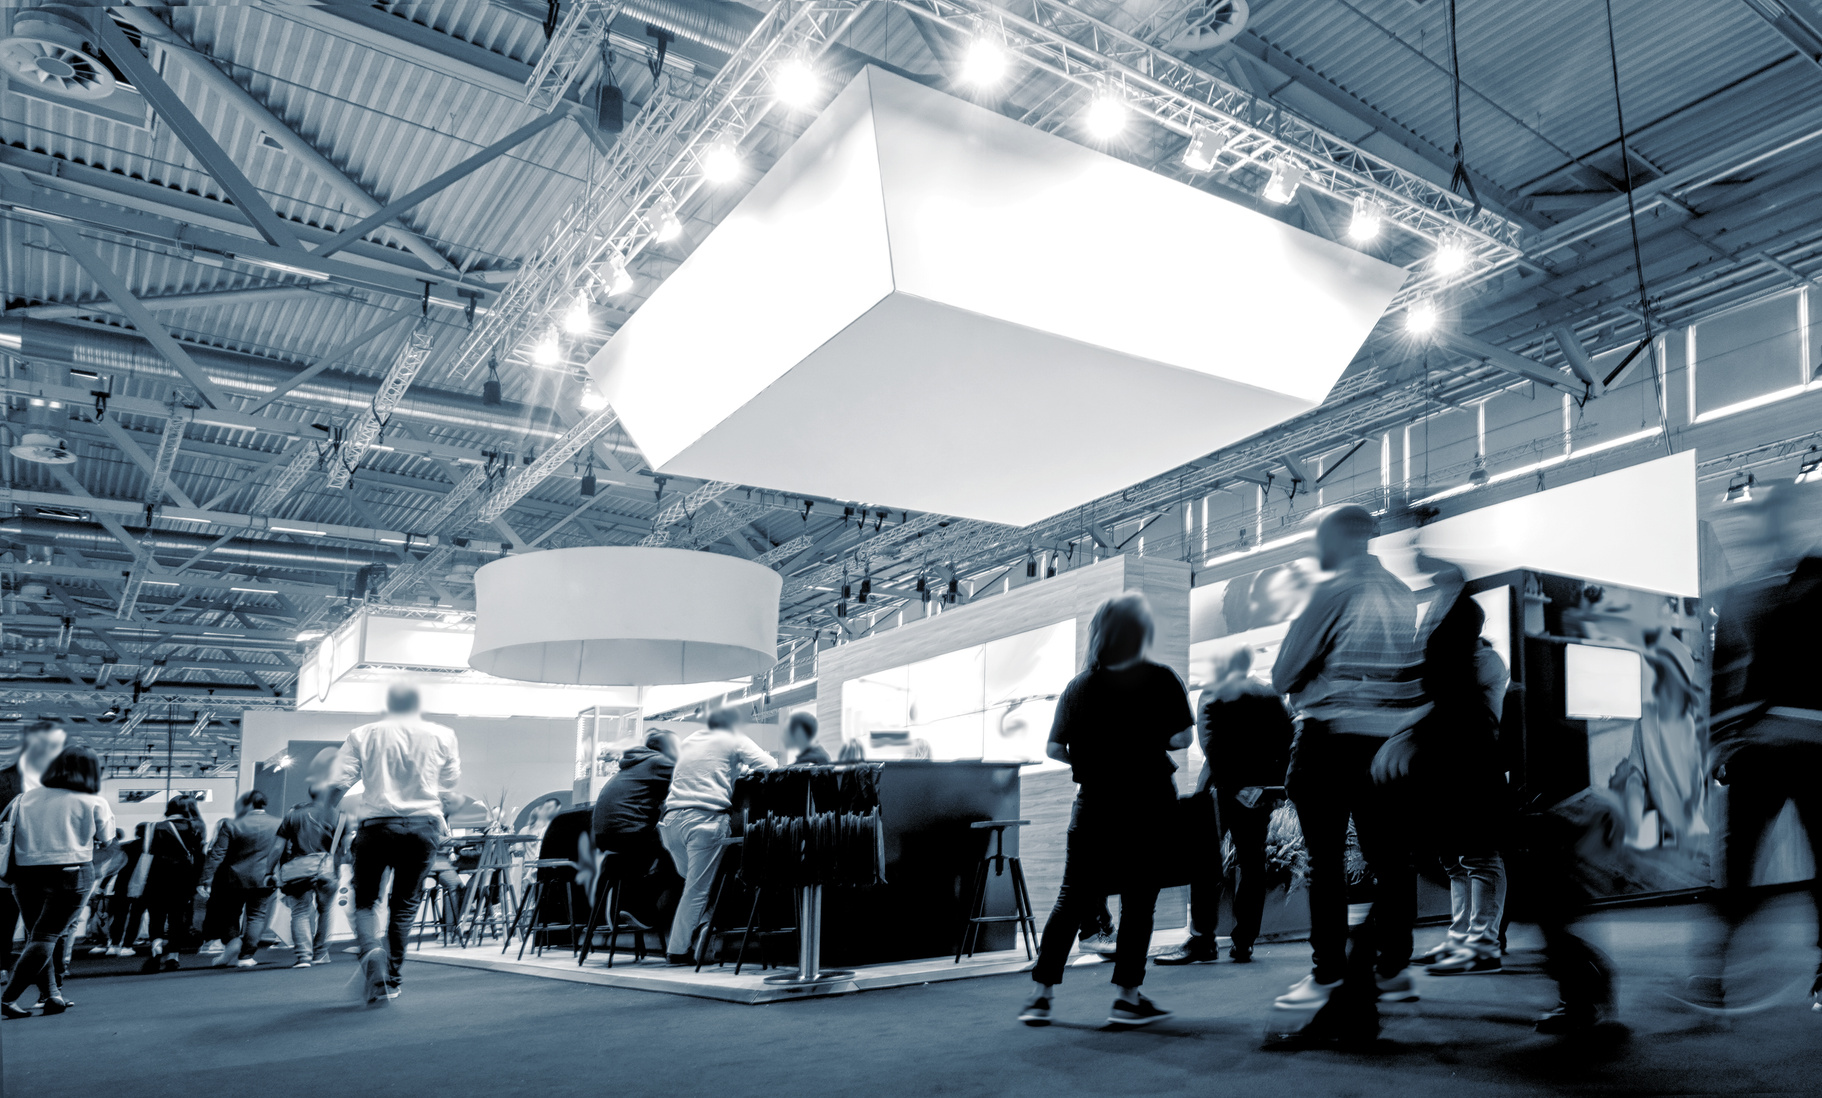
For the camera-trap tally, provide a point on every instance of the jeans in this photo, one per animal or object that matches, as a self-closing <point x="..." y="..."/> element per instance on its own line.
<point x="1110" y="848"/>
<point x="649" y="882"/>
<point x="49" y="897"/>
<point x="405" y="845"/>
<point x="693" y="837"/>
<point x="307" y="899"/>
<point x="242" y="913"/>
<point x="454" y="892"/>
<point x="1330" y="780"/>
<point x="1477" y="899"/>
<point x="1248" y="828"/>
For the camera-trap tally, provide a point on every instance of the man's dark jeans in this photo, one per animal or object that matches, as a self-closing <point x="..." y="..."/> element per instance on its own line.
<point x="1248" y="828"/>
<point x="405" y="845"/>
<point x="1109" y="849"/>
<point x="1331" y="779"/>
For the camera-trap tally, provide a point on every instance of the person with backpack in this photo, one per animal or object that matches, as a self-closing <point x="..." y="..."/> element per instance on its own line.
<point x="310" y="872"/>
<point x="165" y="880"/>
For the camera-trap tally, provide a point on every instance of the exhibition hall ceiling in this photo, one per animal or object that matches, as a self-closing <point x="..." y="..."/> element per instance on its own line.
<point x="294" y="247"/>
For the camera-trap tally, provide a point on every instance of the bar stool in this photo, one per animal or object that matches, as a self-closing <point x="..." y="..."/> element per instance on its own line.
<point x="727" y="874"/>
<point x="528" y="922"/>
<point x="1021" y="897"/>
<point x="610" y="884"/>
<point x="432" y="918"/>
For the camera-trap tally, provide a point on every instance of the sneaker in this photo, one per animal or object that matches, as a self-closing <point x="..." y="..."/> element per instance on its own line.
<point x="101" y="951"/>
<point x="210" y="948"/>
<point x="1195" y="951"/>
<point x="1435" y="953"/>
<point x="1036" y="1011"/>
<point x="373" y="977"/>
<point x="393" y="991"/>
<point x="1142" y="1013"/>
<point x="1465" y="962"/>
<point x="1240" y="955"/>
<point x="247" y="962"/>
<point x="1564" y="1019"/>
<point x="1103" y="943"/>
<point x="1398" y="988"/>
<point x="230" y="949"/>
<point x="301" y="963"/>
<point x="169" y="963"/>
<point x="679" y="959"/>
<point x="1307" y="994"/>
<point x="320" y="959"/>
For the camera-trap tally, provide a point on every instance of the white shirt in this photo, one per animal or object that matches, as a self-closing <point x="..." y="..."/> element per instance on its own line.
<point x="403" y="764"/>
<point x="59" y="826"/>
<point x="707" y="764"/>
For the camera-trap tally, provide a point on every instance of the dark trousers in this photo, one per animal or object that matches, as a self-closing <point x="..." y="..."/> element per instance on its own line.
<point x="49" y="897"/>
<point x="1330" y="780"/>
<point x="652" y="886"/>
<point x="9" y="919"/>
<point x="1246" y="827"/>
<point x="1548" y="889"/>
<point x="242" y="913"/>
<point x="1110" y="849"/>
<point x="405" y="845"/>
<point x="1761" y="777"/>
<point x="124" y="915"/>
<point x="172" y="907"/>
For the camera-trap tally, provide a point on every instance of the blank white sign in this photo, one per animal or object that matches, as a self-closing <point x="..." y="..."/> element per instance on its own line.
<point x="1602" y="683"/>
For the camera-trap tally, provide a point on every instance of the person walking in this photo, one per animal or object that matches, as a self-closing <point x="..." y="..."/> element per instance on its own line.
<point x="241" y="863"/>
<point x="1115" y="724"/>
<point x="1352" y="668"/>
<point x="175" y="845"/>
<point x="1246" y="746"/>
<point x="315" y="847"/>
<point x="405" y="764"/>
<point x="56" y="830"/>
<point x="40" y="743"/>
<point x="695" y="817"/>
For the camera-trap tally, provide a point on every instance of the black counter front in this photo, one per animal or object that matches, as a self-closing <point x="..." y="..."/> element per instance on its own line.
<point x="931" y="853"/>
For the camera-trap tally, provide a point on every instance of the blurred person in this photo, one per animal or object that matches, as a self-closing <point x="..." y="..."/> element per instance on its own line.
<point x="40" y="743"/>
<point x="852" y="751"/>
<point x="404" y="764"/>
<point x="314" y="847"/>
<point x="800" y="736"/>
<point x="57" y="827"/>
<point x="1766" y="729"/>
<point x="1246" y="746"/>
<point x="175" y="845"/>
<point x="1115" y="725"/>
<point x="125" y="910"/>
<point x="695" y="817"/>
<point x="625" y="826"/>
<point x="1351" y="666"/>
<point x="237" y="879"/>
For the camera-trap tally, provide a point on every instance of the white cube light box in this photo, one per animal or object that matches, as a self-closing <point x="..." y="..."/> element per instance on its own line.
<point x="926" y="305"/>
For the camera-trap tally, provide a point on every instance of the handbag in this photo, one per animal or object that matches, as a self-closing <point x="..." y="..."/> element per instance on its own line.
<point x="318" y="866"/>
<point x="6" y="841"/>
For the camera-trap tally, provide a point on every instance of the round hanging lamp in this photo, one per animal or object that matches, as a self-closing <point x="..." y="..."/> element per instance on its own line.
<point x="625" y="616"/>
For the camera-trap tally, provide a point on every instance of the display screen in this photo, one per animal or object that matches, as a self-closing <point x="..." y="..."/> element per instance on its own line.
<point x="1602" y="683"/>
<point x="991" y="701"/>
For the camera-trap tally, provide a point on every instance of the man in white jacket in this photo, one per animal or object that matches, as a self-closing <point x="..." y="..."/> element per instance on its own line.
<point x="695" y="818"/>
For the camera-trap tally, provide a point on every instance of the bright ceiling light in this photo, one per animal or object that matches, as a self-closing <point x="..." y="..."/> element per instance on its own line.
<point x="1420" y="317"/>
<point x="1451" y="255"/>
<point x="619" y="279"/>
<point x="796" y="82"/>
<point x="1809" y="470"/>
<point x="985" y="63"/>
<point x="548" y="350"/>
<point x="579" y="320"/>
<point x="1204" y="149"/>
<point x="664" y="219"/>
<point x="1369" y="217"/>
<point x="1739" y="489"/>
<point x="1106" y="115"/>
<point x="721" y="163"/>
<point x="592" y="400"/>
<point x="1282" y="186"/>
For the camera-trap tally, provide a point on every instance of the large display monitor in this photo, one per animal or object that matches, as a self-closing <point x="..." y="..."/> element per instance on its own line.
<point x="1601" y="683"/>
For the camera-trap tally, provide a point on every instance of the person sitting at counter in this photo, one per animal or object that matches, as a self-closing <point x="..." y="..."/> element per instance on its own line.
<point x="800" y="736"/>
<point x="625" y="826"/>
<point x="695" y="818"/>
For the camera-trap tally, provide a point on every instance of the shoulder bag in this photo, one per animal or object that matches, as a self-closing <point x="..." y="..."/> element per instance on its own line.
<point x="318" y="866"/>
<point x="6" y="840"/>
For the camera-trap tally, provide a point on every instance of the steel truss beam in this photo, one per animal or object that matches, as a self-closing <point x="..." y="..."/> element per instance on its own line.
<point x="366" y="431"/>
<point x="686" y="508"/>
<point x="580" y="30"/>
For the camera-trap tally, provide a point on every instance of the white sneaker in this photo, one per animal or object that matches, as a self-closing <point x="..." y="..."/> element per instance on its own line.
<point x="1104" y="944"/>
<point x="301" y="964"/>
<point x="373" y="977"/>
<point x="230" y="949"/>
<point x="247" y="962"/>
<point x="100" y="951"/>
<point x="1306" y="994"/>
<point x="211" y="948"/>
<point x="1397" y="989"/>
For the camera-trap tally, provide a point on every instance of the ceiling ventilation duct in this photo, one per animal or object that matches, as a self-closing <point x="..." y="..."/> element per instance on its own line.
<point x="43" y="449"/>
<point x="1208" y="24"/>
<point x="50" y="50"/>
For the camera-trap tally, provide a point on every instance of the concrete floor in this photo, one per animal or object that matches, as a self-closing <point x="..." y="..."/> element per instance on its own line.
<point x="464" y="1032"/>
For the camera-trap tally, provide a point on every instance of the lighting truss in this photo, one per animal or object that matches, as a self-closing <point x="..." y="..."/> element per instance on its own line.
<point x="778" y="554"/>
<point x="652" y="164"/>
<point x="679" y="509"/>
<point x="203" y="720"/>
<point x="401" y="579"/>
<point x="455" y="499"/>
<point x="712" y="528"/>
<point x="166" y="458"/>
<point x="1172" y="93"/>
<point x="134" y="719"/>
<point x="288" y="478"/>
<point x="366" y="430"/>
<point x="554" y="457"/>
<point x="136" y="579"/>
<point x="571" y="47"/>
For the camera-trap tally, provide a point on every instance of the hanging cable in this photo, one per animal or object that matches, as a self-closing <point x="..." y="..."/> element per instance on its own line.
<point x="1459" y="181"/>
<point x="1632" y="224"/>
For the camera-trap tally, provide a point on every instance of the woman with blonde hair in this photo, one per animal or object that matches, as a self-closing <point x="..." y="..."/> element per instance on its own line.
<point x="1115" y="724"/>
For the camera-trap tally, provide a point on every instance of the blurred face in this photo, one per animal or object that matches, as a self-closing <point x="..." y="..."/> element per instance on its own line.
<point x="42" y="747"/>
<point x="797" y="737"/>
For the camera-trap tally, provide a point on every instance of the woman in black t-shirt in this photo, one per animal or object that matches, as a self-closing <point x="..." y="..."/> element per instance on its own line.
<point x="1115" y="723"/>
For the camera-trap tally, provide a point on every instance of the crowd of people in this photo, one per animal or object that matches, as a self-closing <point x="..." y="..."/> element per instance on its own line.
<point x="1380" y="728"/>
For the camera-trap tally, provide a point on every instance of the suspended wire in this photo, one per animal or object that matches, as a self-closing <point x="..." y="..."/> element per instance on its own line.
<point x="1459" y="181"/>
<point x="1632" y="225"/>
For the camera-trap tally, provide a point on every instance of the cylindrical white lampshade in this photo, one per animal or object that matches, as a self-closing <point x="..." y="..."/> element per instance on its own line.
<point x="625" y="616"/>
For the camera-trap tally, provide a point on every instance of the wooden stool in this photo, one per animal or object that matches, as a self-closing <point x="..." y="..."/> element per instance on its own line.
<point x="1021" y="897"/>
